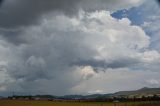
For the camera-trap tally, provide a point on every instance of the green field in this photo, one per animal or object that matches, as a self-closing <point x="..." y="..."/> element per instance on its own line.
<point x="50" y="103"/>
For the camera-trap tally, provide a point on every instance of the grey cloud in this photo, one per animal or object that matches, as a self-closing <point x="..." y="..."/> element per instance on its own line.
<point x="25" y="12"/>
<point x="1" y="1"/>
<point x="114" y="64"/>
<point x="12" y="36"/>
<point x="17" y="14"/>
<point x="124" y="62"/>
<point x="53" y="53"/>
<point x="158" y="1"/>
<point x="50" y="56"/>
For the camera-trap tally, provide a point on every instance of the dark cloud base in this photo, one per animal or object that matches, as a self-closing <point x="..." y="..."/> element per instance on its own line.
<point x="1" y="2"/>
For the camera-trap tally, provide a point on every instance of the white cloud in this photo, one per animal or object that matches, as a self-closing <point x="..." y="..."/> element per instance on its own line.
<point x="96" y="92"/>
<point x="73" y="53"/>
<point x="150" y="56"/>
<point x="113" y="80"/>
<point x="153" y="82"/>
<point x="87" y="72"/>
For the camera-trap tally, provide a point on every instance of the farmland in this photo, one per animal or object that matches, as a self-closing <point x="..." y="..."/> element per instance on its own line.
<point x="51" y="103"/>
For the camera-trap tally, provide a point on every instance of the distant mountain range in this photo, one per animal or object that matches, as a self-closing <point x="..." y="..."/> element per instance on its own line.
<point x="143" y="91"/>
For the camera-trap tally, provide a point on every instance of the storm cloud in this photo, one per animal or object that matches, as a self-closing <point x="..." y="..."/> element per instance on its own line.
<point x="25" y="12"/>
<point x="18" y="14"/>
<point x="49" y="45"/>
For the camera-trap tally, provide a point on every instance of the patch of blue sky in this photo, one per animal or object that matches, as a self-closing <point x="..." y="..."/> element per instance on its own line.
<point x="146" y="13"/>
<point x="135" y="14"/>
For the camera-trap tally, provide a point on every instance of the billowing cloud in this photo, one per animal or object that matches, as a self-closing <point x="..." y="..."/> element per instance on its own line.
<point x="72" y="52"/>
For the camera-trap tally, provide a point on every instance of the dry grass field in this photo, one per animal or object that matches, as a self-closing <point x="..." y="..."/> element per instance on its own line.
<point x="50" y="103"/>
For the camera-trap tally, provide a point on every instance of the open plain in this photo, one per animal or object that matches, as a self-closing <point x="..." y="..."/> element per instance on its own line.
<point x="51" y="103"/>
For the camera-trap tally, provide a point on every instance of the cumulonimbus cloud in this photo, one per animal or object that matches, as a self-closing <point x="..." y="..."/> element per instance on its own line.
<point x="49" y="45"/>
<point x="63" y="48"/>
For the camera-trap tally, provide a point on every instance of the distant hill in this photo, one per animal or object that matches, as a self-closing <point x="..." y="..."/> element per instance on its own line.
<point x="83" y="97"/>
<point x="140" y="91"/>
<point x="143" y="91"/>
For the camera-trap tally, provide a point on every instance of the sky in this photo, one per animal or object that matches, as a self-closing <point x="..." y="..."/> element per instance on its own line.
<point x="63" y="47"/>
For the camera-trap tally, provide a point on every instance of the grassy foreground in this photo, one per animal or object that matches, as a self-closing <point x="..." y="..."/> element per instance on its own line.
<point x="50" y="103"/>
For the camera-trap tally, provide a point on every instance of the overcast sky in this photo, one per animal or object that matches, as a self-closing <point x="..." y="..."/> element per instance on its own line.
<point x="63" y="47"/>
